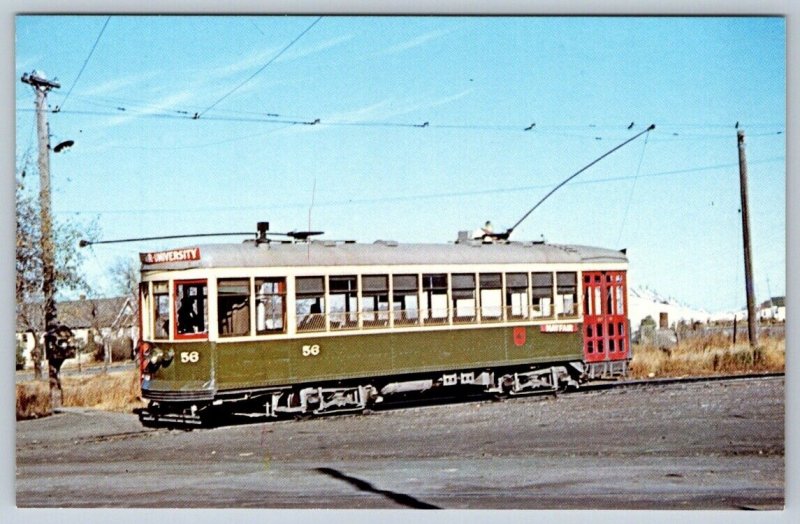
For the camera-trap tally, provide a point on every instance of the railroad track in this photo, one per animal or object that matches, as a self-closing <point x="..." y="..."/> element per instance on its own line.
<point x="600" y="385"/>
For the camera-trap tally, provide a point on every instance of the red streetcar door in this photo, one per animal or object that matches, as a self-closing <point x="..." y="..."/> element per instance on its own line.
<point x="605" y="323"/>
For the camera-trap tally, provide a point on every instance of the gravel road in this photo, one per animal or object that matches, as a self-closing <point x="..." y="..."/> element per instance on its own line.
<point x="717" y="445"/>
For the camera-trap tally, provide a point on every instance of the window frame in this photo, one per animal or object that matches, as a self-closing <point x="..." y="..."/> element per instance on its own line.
<point x="375" y="296"/>
<point x="154" y="313"/>
<point x="282" y="284"/>
<point x="300" y="325"/>
<point x="399" y="296"/>
<point x="537" y="310"/>
<point x="220" y="281"/>
<point x="202" y="335"/>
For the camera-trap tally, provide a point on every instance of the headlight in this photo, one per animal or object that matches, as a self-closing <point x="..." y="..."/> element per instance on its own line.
<point x="166" y="357"/>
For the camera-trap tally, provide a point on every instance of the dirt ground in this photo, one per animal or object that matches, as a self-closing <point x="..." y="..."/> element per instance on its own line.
<point x="707" y="445"/>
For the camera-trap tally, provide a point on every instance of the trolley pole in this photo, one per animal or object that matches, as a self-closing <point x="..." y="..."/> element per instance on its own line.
<point x="748" y="263"/>
<point x="41" y="86"/>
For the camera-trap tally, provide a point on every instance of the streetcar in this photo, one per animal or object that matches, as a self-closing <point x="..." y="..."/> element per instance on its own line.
<point x="301" y="326"/>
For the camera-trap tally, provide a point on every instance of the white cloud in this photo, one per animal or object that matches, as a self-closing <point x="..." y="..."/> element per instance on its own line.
<point x="27" y="65"/>
<point x="301" y="52"/>
<point x="415" y="42"/>
<point x="167" y="103"/>
<point x="115" y="85"/>
<point x="383" y="111"/>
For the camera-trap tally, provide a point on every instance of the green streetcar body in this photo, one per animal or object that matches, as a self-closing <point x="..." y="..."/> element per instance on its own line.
<point x="246" y="365"/>
<point x="470" y="308"/>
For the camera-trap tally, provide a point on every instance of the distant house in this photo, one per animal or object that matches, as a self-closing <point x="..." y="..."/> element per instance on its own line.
<point x="643" y="303"/>
<point x="773" y="309"/>
<point x="102" y="319"/>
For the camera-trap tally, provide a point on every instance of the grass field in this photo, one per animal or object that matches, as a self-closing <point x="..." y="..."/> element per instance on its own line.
<point x="114" y="391"/>
<point x="714" y="355"/>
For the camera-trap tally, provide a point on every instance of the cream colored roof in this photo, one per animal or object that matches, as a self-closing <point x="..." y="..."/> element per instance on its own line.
<point x="322" y="253"/>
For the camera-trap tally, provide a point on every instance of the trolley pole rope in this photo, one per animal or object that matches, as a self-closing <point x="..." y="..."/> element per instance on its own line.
<point x="84" y="243"/>
<point x="584" y="168"/>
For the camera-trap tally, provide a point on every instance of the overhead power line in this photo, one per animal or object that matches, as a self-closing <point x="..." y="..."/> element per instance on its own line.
<point x="84" y="65"/>
<point x="275" y="118"/>
<point x="271" y="60"/>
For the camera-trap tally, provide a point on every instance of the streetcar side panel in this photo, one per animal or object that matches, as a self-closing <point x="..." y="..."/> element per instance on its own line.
<point x="324" y="358"/>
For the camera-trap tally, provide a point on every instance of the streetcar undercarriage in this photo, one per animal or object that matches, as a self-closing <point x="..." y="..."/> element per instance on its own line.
<point x="358" y="395"/>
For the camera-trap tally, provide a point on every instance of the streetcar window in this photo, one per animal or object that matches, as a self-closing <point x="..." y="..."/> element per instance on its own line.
<point x="517" y="294"/>
<point x="310" y="303"/>
<point x="620" y="298"/>
<point x="375" y="300"/>
<point x="145" y="305"/>
<point x="343" y="293"/>
<point x="610" y="300"/>
<point x="566" y="293"/>
<point x="270" y="305"/>
<point x="191" y="301"/>
<point x="161" y="310"/>
<point x="233" y="307"/>
<point x="542" y="294"/>
<point x="598" y="302"/>
<point x="491" y="296"/>
<point x="405" y="300"/>
<point x="587" y="301"/>
<point x="434" y="298"/>
<point x="464" y="297"/>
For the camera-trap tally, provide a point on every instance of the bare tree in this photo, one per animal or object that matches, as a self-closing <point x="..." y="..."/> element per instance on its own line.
<point x="125" y="278"/>
<point x="124" y="274"/>
<point x="29" y="275"/>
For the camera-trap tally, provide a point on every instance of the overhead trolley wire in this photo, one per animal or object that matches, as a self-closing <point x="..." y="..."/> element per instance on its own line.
<point x="146" y="109"/>
<point x="271" y="60"/>
<point x="84" y="64"/>
<point x="275" y="118"/>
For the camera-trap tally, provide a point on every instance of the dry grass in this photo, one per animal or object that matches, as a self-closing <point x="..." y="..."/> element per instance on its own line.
<point x="117" y="391"/>
<point x="33" y="400"/>
<point x="712" y="355"/>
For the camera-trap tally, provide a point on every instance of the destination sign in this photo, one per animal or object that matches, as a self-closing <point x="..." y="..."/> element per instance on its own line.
<point x="559" y="328"/>
<point x="173" y="255"/>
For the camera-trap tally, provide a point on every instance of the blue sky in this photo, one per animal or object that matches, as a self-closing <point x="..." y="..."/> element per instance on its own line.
<point x="141" y="166"/>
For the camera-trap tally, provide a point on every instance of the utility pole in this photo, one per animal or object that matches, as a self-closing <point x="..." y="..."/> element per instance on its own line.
<point x="748" y="258"/>
<point x="41" y="86"/>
